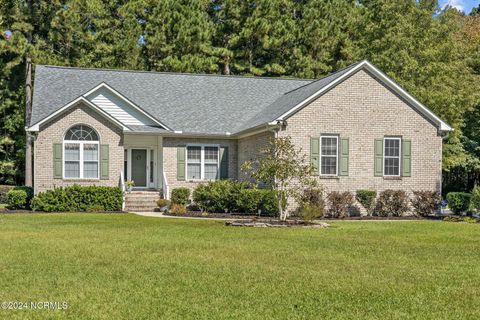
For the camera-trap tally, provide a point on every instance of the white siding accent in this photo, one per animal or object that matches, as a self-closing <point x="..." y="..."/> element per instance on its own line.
<point x="118" y="108"/>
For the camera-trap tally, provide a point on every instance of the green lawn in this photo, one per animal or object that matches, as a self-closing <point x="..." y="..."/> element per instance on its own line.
<point x="123" y="266"/>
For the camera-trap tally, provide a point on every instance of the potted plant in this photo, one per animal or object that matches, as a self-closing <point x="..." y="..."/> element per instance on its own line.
<point x="130" y="184"/>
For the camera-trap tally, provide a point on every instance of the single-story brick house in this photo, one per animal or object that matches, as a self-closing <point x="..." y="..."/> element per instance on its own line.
<point x="166" y="130"/>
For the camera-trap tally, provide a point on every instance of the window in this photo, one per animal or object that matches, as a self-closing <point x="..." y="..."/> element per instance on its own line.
<point x="202" y="162"/>
<point x="328" y="155"/>
<point x="391" y="156"/>
<point x="125" y="164"/>
<point x="81" y="153"/>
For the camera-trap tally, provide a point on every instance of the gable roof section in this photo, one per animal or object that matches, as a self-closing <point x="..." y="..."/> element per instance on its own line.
<point x="200" y="104"/>
<point x="291" y="102"/>
<point x="71" y="104"/>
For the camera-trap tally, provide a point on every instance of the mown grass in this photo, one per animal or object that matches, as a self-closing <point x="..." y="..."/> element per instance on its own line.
<point x="123" y="266"/>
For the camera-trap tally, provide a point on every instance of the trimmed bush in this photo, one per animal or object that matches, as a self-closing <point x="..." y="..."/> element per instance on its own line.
<point x="367" y="199"/>
<point x="392" y="203"/>
<point x="425" y="203"/>
<point x="3" y="192"/>
<point x="250" y="200"/>
<point x="475" y="200"/>
<point x="219" y="195"/>
<point x="180" y="196"/>
<point x="312" y="204"/>
<point x="79" y="199"/>
<point x="339" y="204"/>
<point x="269" y="205"/>
<point x="19" y="197"/>
<point x="458" y="202"/>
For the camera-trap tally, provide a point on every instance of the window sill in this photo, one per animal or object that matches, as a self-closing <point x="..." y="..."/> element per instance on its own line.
<point x="392" y="178"/>
<point x="329" y="177"/>
<point x="81" y="179"/>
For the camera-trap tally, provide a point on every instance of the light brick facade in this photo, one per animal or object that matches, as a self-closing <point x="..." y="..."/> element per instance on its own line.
<point x="54" y="132"/>
<point x="362" y="109"/>
<point x="170" y="158"/>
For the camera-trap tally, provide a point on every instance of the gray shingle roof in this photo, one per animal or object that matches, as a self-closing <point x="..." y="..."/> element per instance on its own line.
<point x="206" y="104"/>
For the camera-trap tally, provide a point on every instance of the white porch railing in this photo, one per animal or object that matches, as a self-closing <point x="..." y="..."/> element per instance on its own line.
<point x="166" y="188"/>
<point x="121" y="185"/>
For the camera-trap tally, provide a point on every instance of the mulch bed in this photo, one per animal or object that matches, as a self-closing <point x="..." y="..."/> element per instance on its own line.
<point x="233" y="215"/>
<point x="6" y="210"/>
<point x="272" y="223"/>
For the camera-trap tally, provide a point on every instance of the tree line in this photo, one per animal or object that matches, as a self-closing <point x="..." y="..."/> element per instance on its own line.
<point x="433" y="53"/>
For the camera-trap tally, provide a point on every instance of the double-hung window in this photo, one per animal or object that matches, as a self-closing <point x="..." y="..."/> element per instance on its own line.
<point x="391" y="156"/>
<point x="81" y="153"/>
<point x="328" y="155"/>
<point x="202" y="162"/>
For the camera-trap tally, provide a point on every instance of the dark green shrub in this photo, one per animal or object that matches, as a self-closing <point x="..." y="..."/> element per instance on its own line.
<point x="458" y="202"/>
<point x="180" y="196"/>
<point x="392" y="203"/>
<point x="425" y="203"/>
<point x="250" y="200"/>
<point x="19" y="197"/>
<point x="312" y="204"/>
<point x="219" y="195"/>
<point x="269" y="205"/>
<point x="339" y="204"/>
<point x="79" y="199"/>
<point x="367" y="199"/>
<point x="475" y="200"/>
<point x="3" y="192"/>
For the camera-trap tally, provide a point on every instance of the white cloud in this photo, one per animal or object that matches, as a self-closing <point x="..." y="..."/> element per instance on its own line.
<point x="458" y="4"/>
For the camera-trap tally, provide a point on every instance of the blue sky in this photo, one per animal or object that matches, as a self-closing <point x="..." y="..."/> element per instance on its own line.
<point x="463" y="5"/>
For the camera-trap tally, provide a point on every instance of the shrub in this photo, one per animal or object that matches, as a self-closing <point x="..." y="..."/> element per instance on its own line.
<point x="79" y="199"/>
<point x="367" y="199"/>
<point x="3" y="192"/>
<point x="458" y="202"/>
<point x="250" y="200"/>
<point x="425" y="203"/>
<point x="180" y="196"/>
<point x="392" y="203"/>
<point x="19" y="197"/>
<point x="339" y="203"/>
<point x="219" y="195"/>
<point x="178" y="209"/>
<point x="312" y="204"/>
<point x="269" y="205"/>
<point x="163" y="203"/>
<point x="475" y="200"/>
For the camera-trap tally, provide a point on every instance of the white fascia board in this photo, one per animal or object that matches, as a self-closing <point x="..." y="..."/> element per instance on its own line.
<point x="36" y="127"/>
<point x="133" y="105"/>
<point x="442" y="126"/>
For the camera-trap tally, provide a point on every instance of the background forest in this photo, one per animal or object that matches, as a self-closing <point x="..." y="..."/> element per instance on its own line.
<point x="434" y="53"/>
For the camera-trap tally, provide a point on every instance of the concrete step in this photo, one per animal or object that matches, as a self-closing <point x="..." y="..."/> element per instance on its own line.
<point x="140" y="208"/>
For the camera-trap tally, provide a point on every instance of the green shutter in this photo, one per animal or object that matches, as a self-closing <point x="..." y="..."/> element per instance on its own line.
<point x="406" y="158"/>
<point x="181" y="163"/>
<point x="223" y="162"/>
<point x="314" y="154"/>
<point x="378" y="157"/>
<point x="344" y="147"/>
<point x="104" y="161"/>
<point x="57" y="161"/>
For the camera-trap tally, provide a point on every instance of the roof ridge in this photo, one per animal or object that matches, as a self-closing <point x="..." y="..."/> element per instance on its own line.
<point x="325" y="77"/>
<point x="177" y="73"/>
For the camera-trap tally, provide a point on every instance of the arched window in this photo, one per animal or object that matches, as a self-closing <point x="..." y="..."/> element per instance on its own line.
<point x="81" y="145"/>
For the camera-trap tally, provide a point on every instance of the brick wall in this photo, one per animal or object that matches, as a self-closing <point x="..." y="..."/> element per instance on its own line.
<point x="250" y="148"/>
<point x="363" y="110"/>
<point x="170" y="158"/>
<point x="54" y="131"/>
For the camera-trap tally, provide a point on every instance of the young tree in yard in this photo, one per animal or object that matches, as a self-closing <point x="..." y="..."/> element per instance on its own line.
<point x="282" y="167"/>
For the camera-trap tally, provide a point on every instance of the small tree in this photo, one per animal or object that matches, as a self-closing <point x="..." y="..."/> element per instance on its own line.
<point x="282" y="167"/>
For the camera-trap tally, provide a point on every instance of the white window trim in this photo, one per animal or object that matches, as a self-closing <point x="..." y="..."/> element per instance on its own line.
<point x="328" y="156"/>
<point x="202" y="161"/>
<point x="81" y="143"/>
<point x="391" y="157"/>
